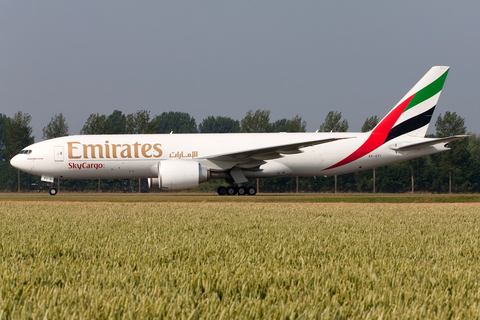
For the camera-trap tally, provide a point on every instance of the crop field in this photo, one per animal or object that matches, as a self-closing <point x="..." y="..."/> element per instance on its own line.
<point x="86" y="260"/>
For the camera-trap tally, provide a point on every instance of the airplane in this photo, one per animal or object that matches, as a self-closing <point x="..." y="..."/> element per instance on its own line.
<point x="183" y="161"/>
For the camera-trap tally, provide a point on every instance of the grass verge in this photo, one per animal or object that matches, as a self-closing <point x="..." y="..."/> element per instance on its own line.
<point x="260" y="198"/>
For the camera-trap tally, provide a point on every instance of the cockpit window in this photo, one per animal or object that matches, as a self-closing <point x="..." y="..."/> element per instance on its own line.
<point x="25" y="152"/>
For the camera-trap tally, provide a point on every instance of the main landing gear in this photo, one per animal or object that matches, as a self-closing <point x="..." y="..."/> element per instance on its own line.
<point x="241" y="191"/>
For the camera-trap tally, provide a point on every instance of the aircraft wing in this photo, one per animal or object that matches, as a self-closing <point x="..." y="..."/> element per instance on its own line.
<point x="427" y="143"/>
<point x="268" y="152"/>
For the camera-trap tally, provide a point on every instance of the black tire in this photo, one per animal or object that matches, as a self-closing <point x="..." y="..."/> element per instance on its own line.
<point x="242" y="191"/>
<point x="222" y="191"/>
<point x="231" y="191"/>
<point x="52" y="191"/>
<point x="251" y="191"/>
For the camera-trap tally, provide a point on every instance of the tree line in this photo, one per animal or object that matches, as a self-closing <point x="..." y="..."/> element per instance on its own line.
<point x="457" y="170"/>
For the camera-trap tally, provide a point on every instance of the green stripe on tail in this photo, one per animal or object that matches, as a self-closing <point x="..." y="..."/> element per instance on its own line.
<point x="428" y="92"/>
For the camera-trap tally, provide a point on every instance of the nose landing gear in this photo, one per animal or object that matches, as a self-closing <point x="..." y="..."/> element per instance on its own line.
<point x="53" y="190"/>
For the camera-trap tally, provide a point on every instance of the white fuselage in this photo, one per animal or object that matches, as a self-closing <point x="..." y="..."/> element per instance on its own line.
<point x="138" y="156"/>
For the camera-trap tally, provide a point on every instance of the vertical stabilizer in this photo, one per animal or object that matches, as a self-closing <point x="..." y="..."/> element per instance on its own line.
<point x="413" y="113"/>
<point x="410" y="116"/>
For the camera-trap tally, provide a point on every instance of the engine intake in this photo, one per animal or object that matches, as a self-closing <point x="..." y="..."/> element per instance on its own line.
<point x="179" y="175"/>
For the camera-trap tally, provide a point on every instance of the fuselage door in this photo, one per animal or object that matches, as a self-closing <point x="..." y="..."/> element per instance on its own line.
<point x="59" y="154"/>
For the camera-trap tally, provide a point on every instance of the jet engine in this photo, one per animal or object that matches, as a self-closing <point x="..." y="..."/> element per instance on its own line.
<point x="178" y="175"/>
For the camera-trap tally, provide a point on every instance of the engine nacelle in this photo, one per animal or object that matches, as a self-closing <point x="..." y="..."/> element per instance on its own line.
<point x="179" y="175"/>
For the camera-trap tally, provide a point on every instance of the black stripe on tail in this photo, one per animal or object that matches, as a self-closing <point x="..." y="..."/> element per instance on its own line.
<point x="411" y="124"/>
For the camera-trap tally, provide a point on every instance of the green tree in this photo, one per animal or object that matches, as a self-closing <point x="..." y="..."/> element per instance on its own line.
<point x="116" y="123"/>
<point x="449" y="125"/>
<point x="451" y="161"/>
<point x="333" y="123"/>
<point x="178" y="122"/>
<point x="474" y="164"/>
<point x="258" y="121"/>
<point x="3" y="120"/>
<point x="139" y="122"/>
<point x="56" y="128"/>
<point x="370" y="123"/>
<point x="17" y="133"/>
<point x="474" y="145"/>
<point x="219" y="125"/>
<point x="96" y="124"/>
<point x="296" y="124"/>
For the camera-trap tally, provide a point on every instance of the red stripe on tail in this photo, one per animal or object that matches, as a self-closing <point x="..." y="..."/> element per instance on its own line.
<point x="378" y="135"/>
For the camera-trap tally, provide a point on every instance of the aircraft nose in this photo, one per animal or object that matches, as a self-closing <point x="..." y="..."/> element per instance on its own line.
<point x="17" y="162"/>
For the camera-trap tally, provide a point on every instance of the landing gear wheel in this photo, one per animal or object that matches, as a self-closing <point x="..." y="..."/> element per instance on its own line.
<point x="231" y="191"/>
<point x="251" y="191"/>
<point x="52" y="191"/>
<point x="242" y="191"/>
<point x="222" y="191"/>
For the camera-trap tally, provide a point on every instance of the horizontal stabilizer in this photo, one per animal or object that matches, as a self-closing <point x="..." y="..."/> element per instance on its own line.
<point x="429" y="142"/>
<point x="266" y="153"/>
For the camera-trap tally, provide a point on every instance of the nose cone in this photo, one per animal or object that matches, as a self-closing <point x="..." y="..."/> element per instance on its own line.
<point x="19" y="162"/>
<point x="15" y="162"/>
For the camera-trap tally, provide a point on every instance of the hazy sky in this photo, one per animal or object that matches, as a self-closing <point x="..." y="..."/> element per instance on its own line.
<point x="223" y="58"/>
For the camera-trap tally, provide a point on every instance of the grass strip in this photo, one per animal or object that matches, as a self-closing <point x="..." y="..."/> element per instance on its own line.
<point x="261" y="198"/>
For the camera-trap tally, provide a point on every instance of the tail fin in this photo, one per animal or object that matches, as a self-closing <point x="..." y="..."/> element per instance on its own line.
<point x="413" y="113"/>
<point x="410" y="116"/>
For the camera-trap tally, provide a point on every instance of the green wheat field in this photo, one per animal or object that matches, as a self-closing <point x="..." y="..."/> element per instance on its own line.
<point x="78" y="260"/>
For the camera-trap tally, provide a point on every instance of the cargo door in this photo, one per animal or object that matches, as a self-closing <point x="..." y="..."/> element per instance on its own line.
<point x="59" y="154"/>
